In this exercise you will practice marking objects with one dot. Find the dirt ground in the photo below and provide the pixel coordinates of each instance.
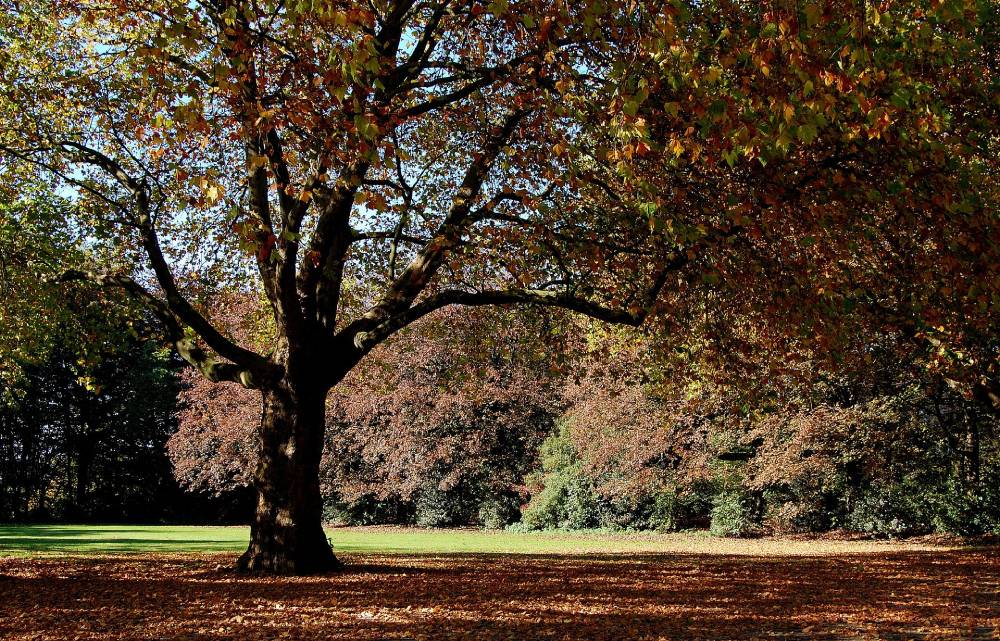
(951, 594)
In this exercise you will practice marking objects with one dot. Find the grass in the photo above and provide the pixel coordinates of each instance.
(121, 583)
(35, 540)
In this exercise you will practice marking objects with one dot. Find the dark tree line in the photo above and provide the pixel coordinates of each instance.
(87, 444)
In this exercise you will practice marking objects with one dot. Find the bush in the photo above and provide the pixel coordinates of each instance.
(582, 510)
(796, 517)
(796, 511)
(496, 513)
(367, 510)
(733, 515)
(659, 510)
(433, 507)
(664, 511)
(896, 509)
(961, 511)
(566, 502)
(566, 499)
(970, 510)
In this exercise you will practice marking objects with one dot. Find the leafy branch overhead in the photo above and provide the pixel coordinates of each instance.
(507, 152)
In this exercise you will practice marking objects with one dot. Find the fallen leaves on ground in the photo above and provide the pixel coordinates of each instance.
(903, 595)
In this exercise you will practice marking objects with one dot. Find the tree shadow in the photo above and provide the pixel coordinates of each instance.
(906, 595)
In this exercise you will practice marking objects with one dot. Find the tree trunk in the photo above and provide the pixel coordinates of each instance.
(286, 536)
(974, 452)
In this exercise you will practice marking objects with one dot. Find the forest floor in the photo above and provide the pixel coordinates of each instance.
(165, 583)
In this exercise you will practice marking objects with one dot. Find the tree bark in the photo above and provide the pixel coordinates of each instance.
(286, 536)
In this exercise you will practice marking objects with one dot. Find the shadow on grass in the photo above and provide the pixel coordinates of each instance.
(900, 595)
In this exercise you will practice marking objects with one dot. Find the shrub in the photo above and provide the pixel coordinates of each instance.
(797, 510)
(582, 510)
(432, 507)
(895, 509)
(664, 510)
(566, 499)
(544, 510)
(566, 502)
(496, 513)
(367, 510)
(733, 515)
(970, 510)
(794, 517)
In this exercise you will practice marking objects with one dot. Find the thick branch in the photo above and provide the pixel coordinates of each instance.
(405, 289)
(211, 368)
(635, 315)
(176, 302)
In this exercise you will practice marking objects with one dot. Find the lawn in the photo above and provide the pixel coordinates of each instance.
(123, 539)
(173, 583)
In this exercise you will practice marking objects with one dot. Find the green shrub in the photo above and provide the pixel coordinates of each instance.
(733, 515)
(496, 513)
(566, 502)
(970, 510)
(582, 510)
(432, 507)
(664, 509)
(546, 508)
(367, 510)
(567, 499)
(895, 509)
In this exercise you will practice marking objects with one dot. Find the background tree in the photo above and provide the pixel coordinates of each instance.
(87, 443)
(439, 425)
(448, 416)
(612, 161)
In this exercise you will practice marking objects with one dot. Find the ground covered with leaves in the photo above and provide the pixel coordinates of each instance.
(887, 595)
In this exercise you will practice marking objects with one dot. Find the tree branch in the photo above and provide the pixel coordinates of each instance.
(211, 368)
(405, 289)
(176, 302)
(389, 235)
(634, 316)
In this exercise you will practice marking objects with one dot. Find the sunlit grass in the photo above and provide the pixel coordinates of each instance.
(19, 540)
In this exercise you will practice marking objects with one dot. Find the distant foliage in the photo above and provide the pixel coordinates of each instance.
(463, 400)
(889, 450)
(215, 447)
(86, 443)
(732, 515)
(564, 498)
(439, 426)
(453, 425)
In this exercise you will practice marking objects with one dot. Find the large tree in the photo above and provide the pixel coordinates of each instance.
(366, 164)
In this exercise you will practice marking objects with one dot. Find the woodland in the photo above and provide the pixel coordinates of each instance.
(525, 266)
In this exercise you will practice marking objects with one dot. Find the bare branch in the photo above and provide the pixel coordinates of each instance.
(176, 302)
(390, 235)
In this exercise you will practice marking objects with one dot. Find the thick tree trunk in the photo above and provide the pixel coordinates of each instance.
(286, 536)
